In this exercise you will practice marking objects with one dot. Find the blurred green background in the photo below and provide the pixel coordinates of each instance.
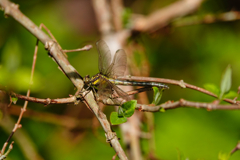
(198, 54)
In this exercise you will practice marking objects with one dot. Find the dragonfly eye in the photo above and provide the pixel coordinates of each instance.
(86, 78)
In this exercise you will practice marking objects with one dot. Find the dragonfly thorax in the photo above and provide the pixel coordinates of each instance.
(96, 79)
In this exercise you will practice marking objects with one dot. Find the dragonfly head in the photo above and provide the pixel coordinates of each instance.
(86, 79)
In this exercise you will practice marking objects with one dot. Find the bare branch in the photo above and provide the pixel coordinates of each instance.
(85, 48)
(46, 101)
(180, 83)
(207, 19)
(103, 15)
(117, 8)
(185, 103)
(164, 16)
(56, 119)
(236, 148)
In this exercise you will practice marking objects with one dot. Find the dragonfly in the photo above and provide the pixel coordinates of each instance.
(109, 69)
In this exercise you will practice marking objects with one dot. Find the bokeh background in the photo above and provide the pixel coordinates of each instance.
(198, 54)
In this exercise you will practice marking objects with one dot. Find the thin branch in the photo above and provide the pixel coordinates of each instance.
(164, 16)
(236, 148)
(3, 156)
(85, 48)
(46, 101)
(207, 19)
(185, 103)
(180, 83)
(18, 125)
(62, 120)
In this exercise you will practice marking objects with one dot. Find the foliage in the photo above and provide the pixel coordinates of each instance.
(125, 111)
(224, 90)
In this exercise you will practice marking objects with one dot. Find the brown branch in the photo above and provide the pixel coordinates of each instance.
(62, 120)
(117, 8)
(164, 16)
(208, 19)
(180, 83)
(236, 148)
(85, 48)
(185, 103)
(46, 101)
(57, 54)
(103, 15)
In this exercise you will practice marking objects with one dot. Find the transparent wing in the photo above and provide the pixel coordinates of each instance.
(106, 89)
(104, 58)
(119, 64)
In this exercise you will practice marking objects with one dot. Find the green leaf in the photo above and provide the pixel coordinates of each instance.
(157, 95)
(14, 100)
(128, 108)
(126, 15)
(212, 88)
(223, 156)
(120, 112)
(230, 94)
(226, 81)
(115, 119)
(162, 109)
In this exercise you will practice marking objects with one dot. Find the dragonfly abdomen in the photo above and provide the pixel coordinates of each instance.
(135, 83)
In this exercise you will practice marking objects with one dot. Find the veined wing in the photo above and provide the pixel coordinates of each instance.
(104, 57)
(119, 64)
(106, 89)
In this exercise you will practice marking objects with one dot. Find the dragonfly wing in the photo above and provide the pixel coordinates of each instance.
(104, 59)
(106, 89)
(119, 64)
(120, 92)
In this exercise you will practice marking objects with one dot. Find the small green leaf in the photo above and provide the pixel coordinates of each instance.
(212, 88)
(120, 112)
(226, 81)
(162, 109)
(129, 108)
(223, 156)
(115, 119)
(157, 95)
(126, 15)
(230, 94)
(14, 100)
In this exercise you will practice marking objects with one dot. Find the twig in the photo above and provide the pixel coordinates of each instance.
(164, 16)
(185, 103)
(236, 148)
(207, 19)
(62, 120)
(180, 83)
(46, 101)
(3, 156)
(85, 48)
(18, 125)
